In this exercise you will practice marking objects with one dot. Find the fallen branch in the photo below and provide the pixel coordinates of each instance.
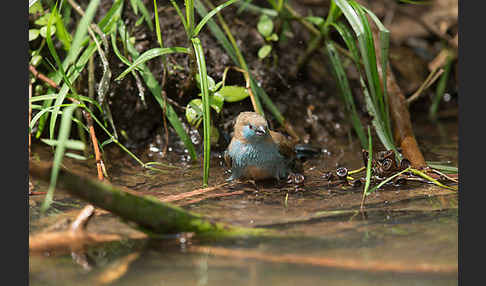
(79, 224)
(68, 241)
(150, 214)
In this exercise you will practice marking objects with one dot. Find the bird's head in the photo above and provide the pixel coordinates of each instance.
(251, 127)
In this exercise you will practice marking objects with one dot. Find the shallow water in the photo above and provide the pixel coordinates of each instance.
(407, 236)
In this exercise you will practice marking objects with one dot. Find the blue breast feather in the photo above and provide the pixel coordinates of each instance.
(264, 155)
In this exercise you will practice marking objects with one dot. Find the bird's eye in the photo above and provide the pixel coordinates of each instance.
(251, 126)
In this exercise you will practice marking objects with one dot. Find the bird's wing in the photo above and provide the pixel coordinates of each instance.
(227, 158)
(285, 146)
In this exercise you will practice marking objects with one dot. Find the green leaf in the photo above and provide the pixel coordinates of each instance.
(33, 34)
(265, 25)
(42, 20)
(194, 112)
(70, 144)
(35, 6)
(264, 51)
(43, 31)
(75, 156)
(35, 60)
(211, 83)
(273, 37)
(233, 93)
(216, 102)
(318, 21)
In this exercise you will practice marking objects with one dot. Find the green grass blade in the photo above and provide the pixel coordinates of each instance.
(446, 168)
(145, 14)
(150, 54)
(346, 93)
(69, 144)
(76, 46)
(157, 25)
(117, 52)
(62, 34)
(368, 165)
(384, 35)
(80, 35)
(64, 130)
(190, 17)
(388, 180)
(179, 12)
(374, 94)
(349, 41)
(133, 4)
(351, 16)
(43, 111)
(113, 138)
(201, 65)
(427, 177)
(378, 124)
(210, 15)
(246, 5)
(332, 15)
(43, 97)
(53, 52)
(156, 91)
(217, 32)
(105, 24)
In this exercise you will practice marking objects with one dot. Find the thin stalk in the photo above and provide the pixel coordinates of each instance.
(201, 65)
(368, 169)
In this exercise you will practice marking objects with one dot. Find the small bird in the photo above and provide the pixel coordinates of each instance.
(257, 153)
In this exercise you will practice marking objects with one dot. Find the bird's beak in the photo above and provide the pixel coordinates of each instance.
(261, 131)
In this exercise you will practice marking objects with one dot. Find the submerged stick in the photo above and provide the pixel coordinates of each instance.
(150, 214)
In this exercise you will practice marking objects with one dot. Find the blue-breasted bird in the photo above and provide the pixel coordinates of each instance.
(257, 153)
